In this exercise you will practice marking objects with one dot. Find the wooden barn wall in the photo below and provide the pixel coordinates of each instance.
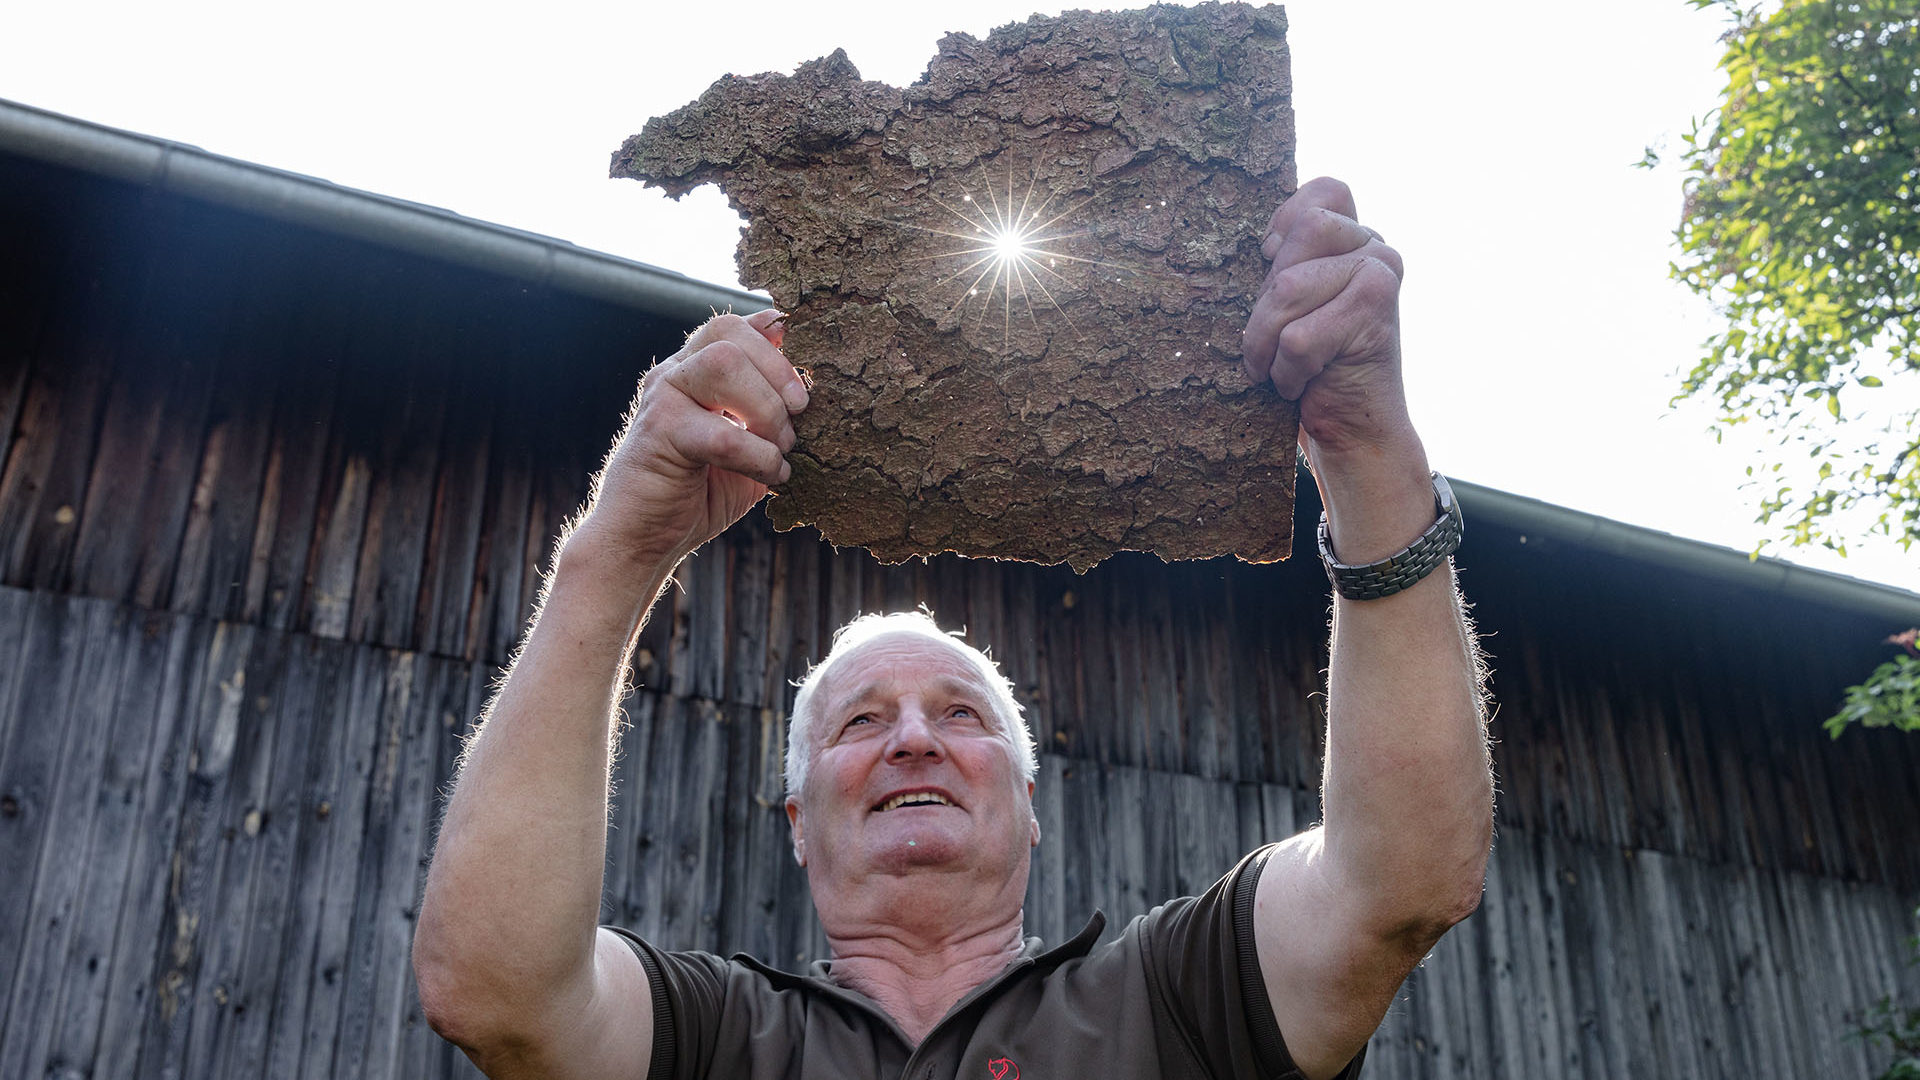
(272, 510)
(220, 831)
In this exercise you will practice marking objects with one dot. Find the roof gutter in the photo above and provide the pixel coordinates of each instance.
(441, 234)
(1899, 608)
(180, 169)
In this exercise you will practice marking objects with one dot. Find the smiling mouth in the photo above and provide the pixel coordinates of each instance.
(917, 798)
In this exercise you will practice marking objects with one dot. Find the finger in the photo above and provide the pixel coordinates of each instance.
(708, 438)
(765, 353)
(771, 323)
(725, 377)
(1318, 233)
(750, 334)
(1306, 346)
(1289, 293)
(1319, 193)
(1292, 293)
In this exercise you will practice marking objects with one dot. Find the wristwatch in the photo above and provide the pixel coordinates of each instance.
(1408, 565)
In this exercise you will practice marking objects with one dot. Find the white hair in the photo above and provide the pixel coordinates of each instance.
(1007, 711)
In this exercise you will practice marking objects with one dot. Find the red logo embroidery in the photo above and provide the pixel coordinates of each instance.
(1003, 1069)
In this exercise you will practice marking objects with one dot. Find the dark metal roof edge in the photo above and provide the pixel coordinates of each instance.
(377, 219)
(1763, 575)
(425, 230)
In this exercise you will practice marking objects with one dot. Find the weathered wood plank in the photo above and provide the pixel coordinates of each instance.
(320, 695)
(656, 874)
(37, 998)
(1142, 838)
(346, 804)
(220, 752)
(846, 589)
(700, 625)
(1063, 711)
(211, 571)
(423, 1053)
(734, 869)
(39, 241)
(792, 576)
(1076, 859)
(449, 580)
(222, 1006)
(382, 831)
(312, 339)
(502, 543)
(702, 849)
(150, 410)
(1258, 731)
(340, 527)
(1047, 910)
(396, 1014)
(366, 410)
(275, 821)
(44, 482)
(17, 609)
(229, 465)
(1503, 984)
(400, 501)
(634, 770)
(177, 331)
(749, 624)
(29, 774)
(137, 987)
(138, 724)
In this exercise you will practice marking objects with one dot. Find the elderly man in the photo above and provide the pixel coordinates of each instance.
(911, 776)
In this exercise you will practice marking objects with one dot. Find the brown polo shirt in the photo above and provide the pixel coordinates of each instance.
(1177, 994)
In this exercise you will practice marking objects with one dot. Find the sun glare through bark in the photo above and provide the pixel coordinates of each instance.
(1013, 248)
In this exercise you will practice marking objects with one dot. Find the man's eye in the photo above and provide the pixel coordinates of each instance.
(863, 718)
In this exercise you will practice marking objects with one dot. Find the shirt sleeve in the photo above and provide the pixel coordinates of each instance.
(689, 991)
(1204, 972)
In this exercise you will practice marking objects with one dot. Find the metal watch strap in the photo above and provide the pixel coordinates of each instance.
(1408, 565)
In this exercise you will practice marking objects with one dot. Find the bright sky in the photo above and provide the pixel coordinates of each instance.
(1489, 140)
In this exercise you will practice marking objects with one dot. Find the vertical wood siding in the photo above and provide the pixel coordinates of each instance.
(272, 512)
(222, 830)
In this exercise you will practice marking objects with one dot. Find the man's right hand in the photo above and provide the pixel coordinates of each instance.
(704, 439)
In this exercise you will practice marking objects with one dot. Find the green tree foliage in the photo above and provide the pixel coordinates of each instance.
(1889, 698)
(1802, 225)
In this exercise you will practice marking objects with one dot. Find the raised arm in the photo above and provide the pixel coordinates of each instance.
(510, 961)
(1347, 909)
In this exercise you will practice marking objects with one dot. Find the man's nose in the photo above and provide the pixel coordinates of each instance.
(914, 736)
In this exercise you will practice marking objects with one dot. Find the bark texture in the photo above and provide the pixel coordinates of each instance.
(1056, 400)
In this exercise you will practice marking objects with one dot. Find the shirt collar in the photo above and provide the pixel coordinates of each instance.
(1032, 954)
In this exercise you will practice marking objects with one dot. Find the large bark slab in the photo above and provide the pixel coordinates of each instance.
(1075, 397)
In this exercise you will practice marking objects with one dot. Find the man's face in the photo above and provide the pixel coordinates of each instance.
(910, 769)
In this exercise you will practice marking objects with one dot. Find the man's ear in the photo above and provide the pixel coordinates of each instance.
(799, 838)
(1033, 819)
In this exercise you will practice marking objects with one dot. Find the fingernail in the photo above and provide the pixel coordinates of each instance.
(786, 472)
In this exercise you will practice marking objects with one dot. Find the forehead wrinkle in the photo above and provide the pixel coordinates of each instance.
(947, 684)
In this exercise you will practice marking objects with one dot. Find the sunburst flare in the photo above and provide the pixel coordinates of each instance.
(1013, 245)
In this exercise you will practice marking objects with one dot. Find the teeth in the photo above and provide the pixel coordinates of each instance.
(918, 798)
